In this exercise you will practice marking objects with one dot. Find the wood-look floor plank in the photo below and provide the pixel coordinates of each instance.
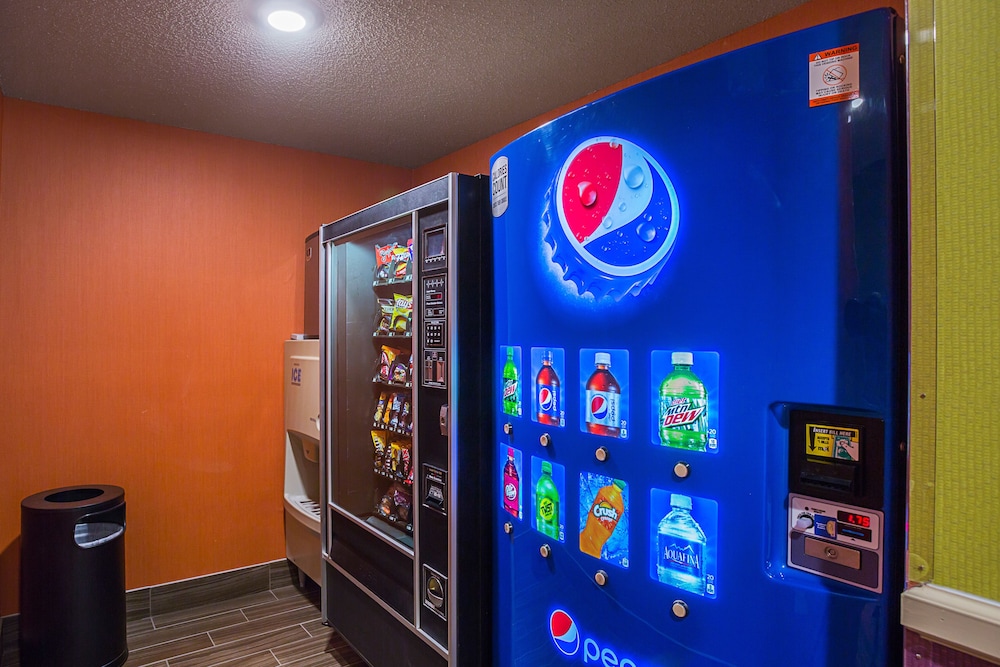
(282, 605)
(232, 604)
(295, 617)
(244, 648)
(141, 640)
(168, 650)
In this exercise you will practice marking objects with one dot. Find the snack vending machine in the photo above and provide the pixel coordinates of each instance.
(700, 365)
(404, 347)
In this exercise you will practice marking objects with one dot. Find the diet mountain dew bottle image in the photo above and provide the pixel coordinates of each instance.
(547, 503)
(683, 406)
(680, 560)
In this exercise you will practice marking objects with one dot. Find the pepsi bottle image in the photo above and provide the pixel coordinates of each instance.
(547, 503)
(547, 392)
(602, 401)
(680, 560)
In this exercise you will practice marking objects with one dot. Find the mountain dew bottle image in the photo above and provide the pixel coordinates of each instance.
(683, 411)
(511, 389)
(547, 503)
(680, 553)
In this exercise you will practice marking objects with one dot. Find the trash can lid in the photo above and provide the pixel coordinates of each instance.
(69, 498)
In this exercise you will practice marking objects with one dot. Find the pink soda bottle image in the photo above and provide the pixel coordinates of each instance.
(512, 484)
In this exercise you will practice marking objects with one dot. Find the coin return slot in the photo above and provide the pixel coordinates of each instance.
(436, 592)
(833, 553)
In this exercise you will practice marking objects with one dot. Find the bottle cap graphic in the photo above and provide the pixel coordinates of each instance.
(682, 359)
(612, 218)
(678, 500)
(602, 358)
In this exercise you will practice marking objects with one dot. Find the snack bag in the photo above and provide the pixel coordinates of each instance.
(407, 469)
(380, 408)
(385, 359)
(386, 507)
(399, 372)
(392, 416)
(402, 313)
(401, 499)
(401, 261)
(394, 464)
(378, 442)
(385, 266)
(386, 309)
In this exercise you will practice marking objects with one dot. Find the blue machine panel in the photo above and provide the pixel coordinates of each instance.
(700, 310)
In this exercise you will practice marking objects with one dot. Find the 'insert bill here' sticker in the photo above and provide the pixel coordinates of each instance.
(833, 75)
(833, 442)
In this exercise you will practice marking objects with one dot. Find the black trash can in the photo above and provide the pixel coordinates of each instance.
(73, 578)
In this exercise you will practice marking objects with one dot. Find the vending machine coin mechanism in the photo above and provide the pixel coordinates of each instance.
(835, 504)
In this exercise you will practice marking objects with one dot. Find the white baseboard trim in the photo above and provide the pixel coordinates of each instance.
(962, 621)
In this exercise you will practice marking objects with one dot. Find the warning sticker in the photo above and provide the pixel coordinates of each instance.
(833, 442)
(833, 75)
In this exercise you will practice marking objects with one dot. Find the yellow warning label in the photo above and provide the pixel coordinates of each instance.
(833, 442)
(833, 75)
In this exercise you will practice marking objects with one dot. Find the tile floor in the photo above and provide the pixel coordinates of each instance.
(277, 627)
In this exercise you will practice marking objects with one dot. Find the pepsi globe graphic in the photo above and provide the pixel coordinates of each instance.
(599, 407)
(612, 218)
(545, 398)
(565, 636)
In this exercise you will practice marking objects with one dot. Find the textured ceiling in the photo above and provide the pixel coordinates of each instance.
(398, 83)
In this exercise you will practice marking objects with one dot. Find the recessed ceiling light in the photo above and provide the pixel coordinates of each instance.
(286, 20)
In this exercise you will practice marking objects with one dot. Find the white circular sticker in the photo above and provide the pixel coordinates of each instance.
(499, 186)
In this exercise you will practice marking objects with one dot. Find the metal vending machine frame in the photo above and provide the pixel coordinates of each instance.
(404, 329)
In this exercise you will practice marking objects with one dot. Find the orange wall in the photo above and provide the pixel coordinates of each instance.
(148, 277)
(475, 159)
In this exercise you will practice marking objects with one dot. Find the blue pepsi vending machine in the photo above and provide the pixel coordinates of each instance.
(700, 365)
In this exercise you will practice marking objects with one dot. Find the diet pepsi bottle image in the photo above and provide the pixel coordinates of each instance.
(680, 542)
(602, 399)
(547, 393)
(683, 406)
(511, 486)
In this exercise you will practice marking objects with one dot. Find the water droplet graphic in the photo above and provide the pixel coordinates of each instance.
(613, 143)
(607, 222)
(635, 177)
(588, 193)
(622, 207)
(646, 231)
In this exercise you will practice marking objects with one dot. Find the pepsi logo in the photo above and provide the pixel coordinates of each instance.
(566, 637)
(545, 397)
(599, 407)
(617, 217)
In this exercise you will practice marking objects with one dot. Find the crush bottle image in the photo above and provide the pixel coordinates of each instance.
(680, 541)
(547, 392)
(511, 388)
(683, 406)
(511, 486)
(602, 519)
(602, 401)
(547, 503)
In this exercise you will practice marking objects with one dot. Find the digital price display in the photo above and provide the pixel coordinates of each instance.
(851, 524)
(862, 520)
